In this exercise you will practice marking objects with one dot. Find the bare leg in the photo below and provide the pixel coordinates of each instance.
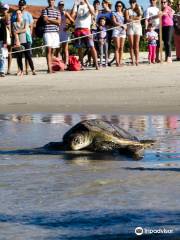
(117, 45)
(49, 58)
(94, 56)
(136, 48)
(131, 45)
(121, 49)
(66, 55)
(80, 53)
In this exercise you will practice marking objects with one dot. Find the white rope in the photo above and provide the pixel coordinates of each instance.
(77, 38)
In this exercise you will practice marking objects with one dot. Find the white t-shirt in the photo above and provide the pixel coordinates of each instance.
(83, 19)
(153, 11)
(152, 37)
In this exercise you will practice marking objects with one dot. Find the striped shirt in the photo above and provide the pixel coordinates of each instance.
(52, 14)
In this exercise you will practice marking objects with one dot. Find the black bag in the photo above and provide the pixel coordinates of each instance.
(177, 24)
(40, 26)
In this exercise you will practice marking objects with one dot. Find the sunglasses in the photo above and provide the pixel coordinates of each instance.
(119, 5)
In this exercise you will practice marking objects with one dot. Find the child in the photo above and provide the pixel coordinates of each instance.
(3, 47)
(152, 38)
(102, 40)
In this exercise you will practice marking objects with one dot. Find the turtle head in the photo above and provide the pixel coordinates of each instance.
(79, 141)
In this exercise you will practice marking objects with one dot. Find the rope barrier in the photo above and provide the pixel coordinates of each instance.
(77, 38)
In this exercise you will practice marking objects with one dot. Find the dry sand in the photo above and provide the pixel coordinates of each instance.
(147, 88)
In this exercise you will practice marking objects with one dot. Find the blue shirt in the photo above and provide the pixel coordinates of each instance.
(27, 17)
(107, 15)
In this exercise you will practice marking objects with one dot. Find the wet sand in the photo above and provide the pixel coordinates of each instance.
(147, 88)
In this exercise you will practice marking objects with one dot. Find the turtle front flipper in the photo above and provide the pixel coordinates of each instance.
(55, 146)
(137, 152)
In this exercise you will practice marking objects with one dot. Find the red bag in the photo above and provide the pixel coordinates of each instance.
(74, 64)
(57, 64)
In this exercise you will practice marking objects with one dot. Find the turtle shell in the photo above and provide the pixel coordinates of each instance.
(101, 130)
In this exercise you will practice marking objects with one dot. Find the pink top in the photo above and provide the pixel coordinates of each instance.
(167, 19)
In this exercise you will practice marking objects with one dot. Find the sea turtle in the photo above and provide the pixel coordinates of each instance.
(101, 136)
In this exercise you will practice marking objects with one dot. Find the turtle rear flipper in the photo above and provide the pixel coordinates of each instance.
(137, 152)
(148, 143)
(103, 146)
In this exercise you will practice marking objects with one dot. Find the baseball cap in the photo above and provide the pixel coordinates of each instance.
(61, 2)
(22, 3)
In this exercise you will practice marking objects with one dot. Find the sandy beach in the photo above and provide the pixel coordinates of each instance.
(147, 88)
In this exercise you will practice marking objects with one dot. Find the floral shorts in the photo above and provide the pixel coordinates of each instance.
(86, 41)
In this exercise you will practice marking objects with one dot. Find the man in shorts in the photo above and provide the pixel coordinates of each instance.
(52, 21)
(82, 13)
(152, 16)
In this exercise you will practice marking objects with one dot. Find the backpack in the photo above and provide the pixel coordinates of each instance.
(74, 64)
(176, 19)
(40, 26)
(57, 64)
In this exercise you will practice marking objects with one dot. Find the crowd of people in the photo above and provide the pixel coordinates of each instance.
(95, 27)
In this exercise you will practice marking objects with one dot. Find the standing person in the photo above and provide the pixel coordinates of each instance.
(7, 20)
(82, 13)
(27, 17)
(152, 16)
(20, 39)
(52, 19)
(119, 33)
(63, 34)
(96, 5)
(152, 38)
(102, 40)
(177, 31)
(167, 29)
(107, 13)
(3, 45)
(134, 29)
